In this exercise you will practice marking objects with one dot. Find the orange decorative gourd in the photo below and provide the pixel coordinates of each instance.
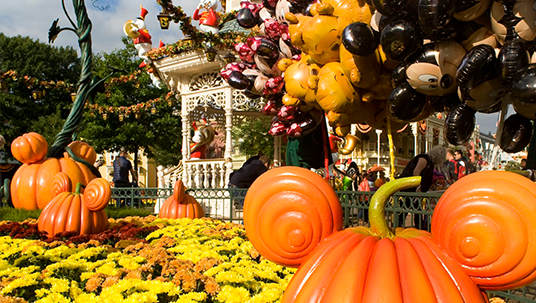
(181, 205)
(29, 148)
(81, 213)
(286, 232)
(30, 186)
(482, 238)
(83, 151)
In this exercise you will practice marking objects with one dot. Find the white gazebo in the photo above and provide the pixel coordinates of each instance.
(205, 94)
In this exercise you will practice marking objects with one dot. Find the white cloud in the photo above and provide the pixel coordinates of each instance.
(33, 18)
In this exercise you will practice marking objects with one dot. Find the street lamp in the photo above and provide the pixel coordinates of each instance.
(211, 53)
(73, 97)
(37, 94)
(164, 19)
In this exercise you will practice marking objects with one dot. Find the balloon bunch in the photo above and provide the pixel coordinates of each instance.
(389, 61)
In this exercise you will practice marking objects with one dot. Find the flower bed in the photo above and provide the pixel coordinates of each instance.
(137, 260)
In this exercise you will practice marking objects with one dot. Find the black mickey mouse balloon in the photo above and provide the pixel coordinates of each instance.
(359, 39)
(459, 124)
(389, 7)
(513, 57)
(516, 134)
(404, 103)
(478, 80)
(399, 39)
(435, 14)
(524, 85)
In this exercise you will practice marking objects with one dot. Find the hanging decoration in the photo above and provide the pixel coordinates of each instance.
(33, 83)
(135, 110)
(197, 39)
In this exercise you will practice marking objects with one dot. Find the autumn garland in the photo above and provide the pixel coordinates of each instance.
(197, 39)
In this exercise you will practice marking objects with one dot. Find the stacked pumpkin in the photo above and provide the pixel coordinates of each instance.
(81, 211)
(482, 239)
(30, 186)
(181, 205)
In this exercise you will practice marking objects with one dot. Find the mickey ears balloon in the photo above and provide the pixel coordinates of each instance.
(524, 85)
(516, 134)
(467, 10)
(359, 39)
(459, 124)
(513, 57)
(477, 78)
(389, 7)
(435, 14)
(404, 103)
(519, 16)
(399, 39)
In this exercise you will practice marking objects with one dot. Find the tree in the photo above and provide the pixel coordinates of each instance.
(30, 68)
(132, 113)
(258, 139)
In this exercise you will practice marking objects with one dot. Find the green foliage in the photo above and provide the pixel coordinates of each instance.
(19, 111)
(512, 165)
(255, 137)
(18, 215)
(158, 134)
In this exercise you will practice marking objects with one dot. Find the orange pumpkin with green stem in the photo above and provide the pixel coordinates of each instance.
(83, 151)
(461, 257)
(30, 186)
(81, 213)
(181, 205)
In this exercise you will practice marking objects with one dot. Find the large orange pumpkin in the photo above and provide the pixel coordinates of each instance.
(69, 211)
(181, 205)
(83, 151)
(467, 249)
(29, 148)
(286, 232)
(30, 186)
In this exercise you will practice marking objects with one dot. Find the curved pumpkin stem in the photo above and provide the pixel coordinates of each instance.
(378, 224)
(78, 188)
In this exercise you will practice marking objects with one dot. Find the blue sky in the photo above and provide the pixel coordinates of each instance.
(33, 18)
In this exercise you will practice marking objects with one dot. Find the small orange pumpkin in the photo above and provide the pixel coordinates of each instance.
(482, 238)
(29, 148)
(181, 205)
(69, 211)
(83, 151)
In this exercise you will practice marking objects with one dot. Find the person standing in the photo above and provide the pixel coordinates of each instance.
(449, 167)
(422, 165)
(122, 167)
(461, 164)
(250, 171)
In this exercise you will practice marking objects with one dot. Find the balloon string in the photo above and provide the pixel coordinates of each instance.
(326, 142)
(391, 149)
(504, 109)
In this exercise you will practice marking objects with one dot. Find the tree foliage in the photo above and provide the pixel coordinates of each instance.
(158, 134)
(20, 112)
(256, 137)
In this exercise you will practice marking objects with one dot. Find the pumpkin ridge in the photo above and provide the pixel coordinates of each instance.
(383, 274)
(52, 210)
(347, 285)
(468, 289)
(60, 220)
(414, 279)
(311, 262)
(443, 283)
(46, 172)
(324, 272)
(73, 218)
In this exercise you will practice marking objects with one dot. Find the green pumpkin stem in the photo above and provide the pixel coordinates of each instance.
(378, 224)
(79, 187)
